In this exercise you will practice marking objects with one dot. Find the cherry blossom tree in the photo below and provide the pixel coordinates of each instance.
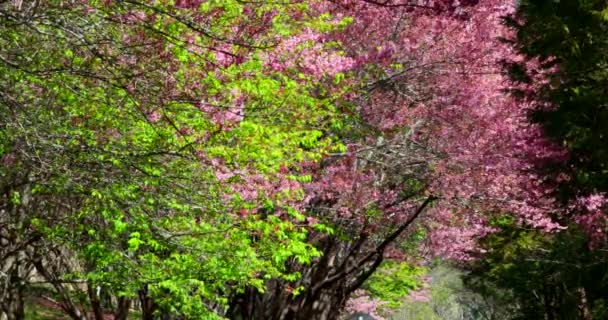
(308, 139)
(434, 119)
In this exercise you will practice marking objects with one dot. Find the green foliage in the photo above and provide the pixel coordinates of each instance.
(567, 44)
(569, 40)
(393, 281)
(542, 273)
(449, 296)
(134, 197)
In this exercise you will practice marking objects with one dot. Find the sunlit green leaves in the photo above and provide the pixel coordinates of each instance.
(106, 113)
(393, 281)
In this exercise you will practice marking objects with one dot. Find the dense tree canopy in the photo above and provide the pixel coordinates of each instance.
(269, 160)
(119, 121)
(570, 56)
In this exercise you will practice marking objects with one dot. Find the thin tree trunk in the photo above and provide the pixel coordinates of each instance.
(548, 299)
(583, 304)
(12, 306)
(122, 309)
(147, 304)
(66, 301)
(14, 266)
(15, 307)
(328, 282)
(95, 303)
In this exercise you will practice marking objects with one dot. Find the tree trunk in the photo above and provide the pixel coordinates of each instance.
(583, 304)
(17, 310)
(15, 240)
(95, 303)
(327, 283)
(548, 298)
(67, 304)
(13, 309)
(147, 304)
(12, 305)
(122, 309)
(324, 305)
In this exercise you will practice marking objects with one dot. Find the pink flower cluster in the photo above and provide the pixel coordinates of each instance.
(188, 4)
(228, 114)
(307, 53)
(444, 81)
(361, 302)
(251, 186)
(592, 217)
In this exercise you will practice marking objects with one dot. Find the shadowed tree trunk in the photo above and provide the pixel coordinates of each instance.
(13, 308)
(549, 299)
(11, 280)
(122, 308)
(95, 303)
(583, 304)
(16, 240)
(327, 283)
(147, 304)
(64, 291)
